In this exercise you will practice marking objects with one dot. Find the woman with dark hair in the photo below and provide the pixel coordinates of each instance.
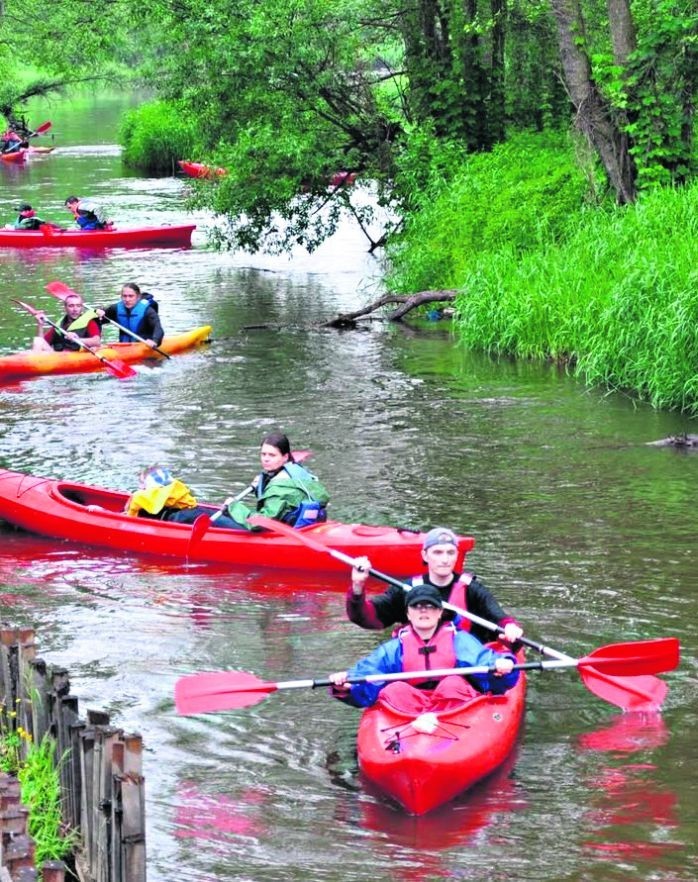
(285, 490)
(136, 312)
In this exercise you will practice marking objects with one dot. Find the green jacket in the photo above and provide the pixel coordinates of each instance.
(281, 496)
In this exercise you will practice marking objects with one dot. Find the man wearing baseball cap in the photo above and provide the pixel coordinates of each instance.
(427, 643)
(464, 590)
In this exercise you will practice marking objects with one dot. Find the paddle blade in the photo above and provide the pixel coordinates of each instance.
(644, 693)
(59, 290)
(219, 690)
(44, 127)
(635, 658)
(117, 368)
(199, 528)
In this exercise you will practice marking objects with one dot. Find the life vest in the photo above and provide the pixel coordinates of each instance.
(130, 319)
(77, 327)
(309, 511)
(429, 655)
(457, 596)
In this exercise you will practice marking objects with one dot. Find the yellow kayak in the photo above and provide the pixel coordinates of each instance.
(34, 364)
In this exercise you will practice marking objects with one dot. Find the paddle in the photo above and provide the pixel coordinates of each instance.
(39, 130)
(116, 368)
(636, 693)
(226, 690)
(203, 523)
(61, 291)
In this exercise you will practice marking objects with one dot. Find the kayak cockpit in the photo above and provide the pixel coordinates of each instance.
(82, 496)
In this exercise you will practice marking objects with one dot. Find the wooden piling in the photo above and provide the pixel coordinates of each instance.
(100, 770)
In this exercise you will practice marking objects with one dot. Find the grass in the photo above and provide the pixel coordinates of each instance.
(545, 271)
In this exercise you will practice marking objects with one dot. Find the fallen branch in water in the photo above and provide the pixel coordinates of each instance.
(407, 303)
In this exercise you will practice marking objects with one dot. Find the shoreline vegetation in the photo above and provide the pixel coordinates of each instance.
(539, 159)
(546, 265)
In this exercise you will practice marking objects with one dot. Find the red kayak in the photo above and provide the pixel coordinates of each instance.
(135, 237)
(94, 516)
(421, 771)
(16, 155)
(200, 169)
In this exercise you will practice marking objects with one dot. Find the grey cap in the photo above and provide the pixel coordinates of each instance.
(439, 536)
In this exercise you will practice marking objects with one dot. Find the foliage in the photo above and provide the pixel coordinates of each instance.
(618, 300)
(156, 135)
(655, 91)
(526, 192)
(40, 789)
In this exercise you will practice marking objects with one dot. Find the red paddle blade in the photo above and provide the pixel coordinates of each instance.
(199, 528)
(219, 690)
(60, 290)
(635, 658)
(117, 368)
(44, 127)
(645, 693)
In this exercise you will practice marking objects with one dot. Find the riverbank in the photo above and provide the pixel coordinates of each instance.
(542, 273)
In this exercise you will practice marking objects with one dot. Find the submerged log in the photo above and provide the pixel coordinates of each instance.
(683, 441)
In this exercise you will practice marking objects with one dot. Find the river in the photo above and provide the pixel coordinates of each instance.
(583, 531)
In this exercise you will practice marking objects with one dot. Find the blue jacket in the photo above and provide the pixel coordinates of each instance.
(387, 659)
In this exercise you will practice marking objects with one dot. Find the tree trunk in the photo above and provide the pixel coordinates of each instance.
(595, 117)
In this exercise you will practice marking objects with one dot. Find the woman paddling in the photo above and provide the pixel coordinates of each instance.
(426, 643)
(285, 490)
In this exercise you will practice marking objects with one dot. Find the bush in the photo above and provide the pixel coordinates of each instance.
(155, 135)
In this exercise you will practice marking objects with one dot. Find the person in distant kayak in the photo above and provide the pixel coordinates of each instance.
(11, 141)
(27, 218)
(163, 497)
(464, 590)
(427, 642)
(89, 214)
(78, 323)
(136, 312)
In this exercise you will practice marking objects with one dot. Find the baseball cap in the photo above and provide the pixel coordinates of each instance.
(439, 536)
(24, 206)
(424, 594)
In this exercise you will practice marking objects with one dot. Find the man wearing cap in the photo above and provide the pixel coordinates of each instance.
(427, 643)
(464, 590)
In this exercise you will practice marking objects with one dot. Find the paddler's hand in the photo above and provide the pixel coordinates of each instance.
(99, 313)
(503, 666)
(359, 574)
(339, 683)
(512, 632)
(151, 343)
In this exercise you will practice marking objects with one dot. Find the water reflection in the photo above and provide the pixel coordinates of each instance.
(633, 815)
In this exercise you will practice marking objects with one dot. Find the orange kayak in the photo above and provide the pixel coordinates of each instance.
(33, 364)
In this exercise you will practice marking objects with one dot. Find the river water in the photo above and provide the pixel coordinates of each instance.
(583, 531)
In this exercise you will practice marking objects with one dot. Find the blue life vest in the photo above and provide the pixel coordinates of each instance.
(130, 319)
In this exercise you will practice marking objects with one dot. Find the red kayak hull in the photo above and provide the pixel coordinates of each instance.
(136, 237)
(62, 510)
(16, 156)
(22, 365)
(200, 169)
(423, 771)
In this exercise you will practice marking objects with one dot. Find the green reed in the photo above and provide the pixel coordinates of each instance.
(155, 135)
(544, 271)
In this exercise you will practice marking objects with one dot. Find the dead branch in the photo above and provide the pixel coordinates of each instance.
(407, 303)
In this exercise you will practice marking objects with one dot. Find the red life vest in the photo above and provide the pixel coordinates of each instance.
(458, 596)
(438, 652)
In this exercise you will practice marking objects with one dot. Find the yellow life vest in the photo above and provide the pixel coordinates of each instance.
(156, 497)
